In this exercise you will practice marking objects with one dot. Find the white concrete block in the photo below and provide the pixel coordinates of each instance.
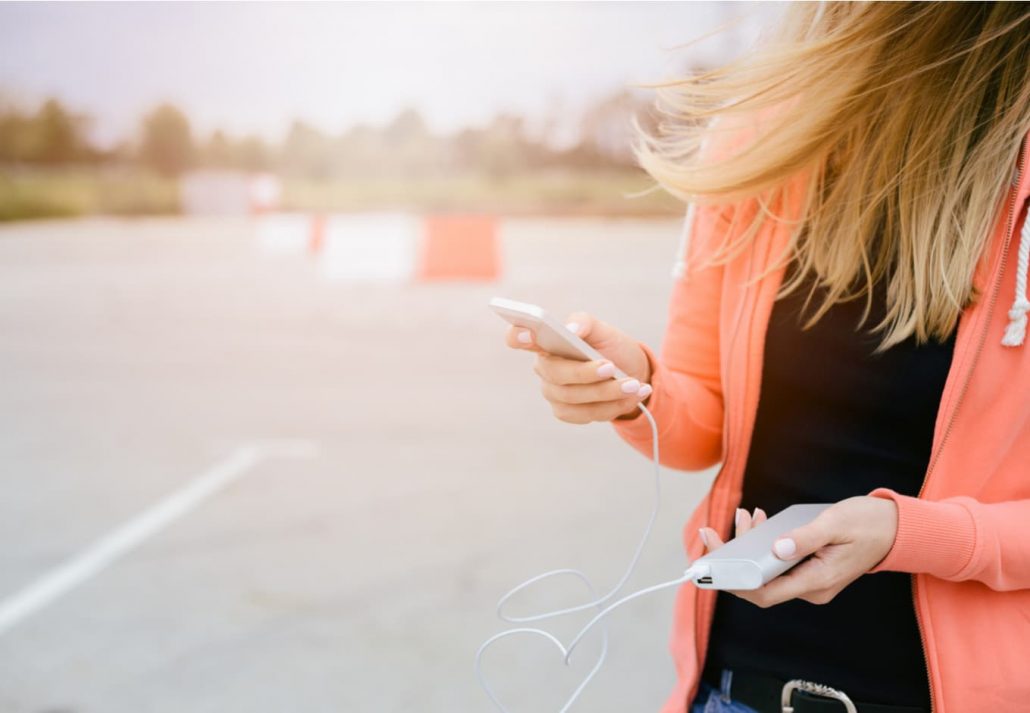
(375, 247)
(284, 233)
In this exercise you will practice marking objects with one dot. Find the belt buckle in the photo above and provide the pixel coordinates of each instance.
(817, 689)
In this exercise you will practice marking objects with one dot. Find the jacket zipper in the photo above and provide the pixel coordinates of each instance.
(702, 650)
(965, 387)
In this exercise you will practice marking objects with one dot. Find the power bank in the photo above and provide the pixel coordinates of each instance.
(748, 561)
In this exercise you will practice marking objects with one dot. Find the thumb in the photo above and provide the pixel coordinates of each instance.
(624, 351)
(805, 540)
(591, 330)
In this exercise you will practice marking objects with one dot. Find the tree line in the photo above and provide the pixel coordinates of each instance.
(166, 143)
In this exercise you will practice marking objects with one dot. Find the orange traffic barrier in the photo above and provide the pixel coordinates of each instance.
(459, 247)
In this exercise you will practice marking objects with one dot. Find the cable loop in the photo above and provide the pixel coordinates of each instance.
(597, 602)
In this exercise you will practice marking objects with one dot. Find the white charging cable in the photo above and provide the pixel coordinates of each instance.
(600, 603)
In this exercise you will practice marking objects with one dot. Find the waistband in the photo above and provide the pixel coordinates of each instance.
(768, 694)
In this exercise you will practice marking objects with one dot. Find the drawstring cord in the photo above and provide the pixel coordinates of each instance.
(679, 268)
(1015, 332)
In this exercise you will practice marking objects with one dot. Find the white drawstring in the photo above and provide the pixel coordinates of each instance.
(679, 267)
(1015, 332)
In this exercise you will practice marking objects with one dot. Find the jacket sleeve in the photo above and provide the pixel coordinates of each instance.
(961, 538)
(686, 401)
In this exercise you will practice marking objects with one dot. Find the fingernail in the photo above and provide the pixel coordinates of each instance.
(573, 327)
(645, 391)
(704, 537)
(785, 547)
(525, 337)
(606, 370)
(736, 519)
(630, 387)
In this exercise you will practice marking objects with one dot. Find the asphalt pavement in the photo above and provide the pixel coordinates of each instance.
(230, 483)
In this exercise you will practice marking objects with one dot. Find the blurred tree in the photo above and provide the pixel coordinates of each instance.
(606, 131)
(217, 152)
(406, 126)
(464, 148)
(308, 152)
(361, 151)
(410, 148)
(124, 153)
(57, 135)
(51, 136)
(251, 154)
(14, 136)
(502, 148)
(402, 159)
(167, 143)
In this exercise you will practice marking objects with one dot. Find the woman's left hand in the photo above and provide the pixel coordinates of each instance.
(846, 540)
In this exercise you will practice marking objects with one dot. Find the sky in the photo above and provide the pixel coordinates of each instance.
(254, 67)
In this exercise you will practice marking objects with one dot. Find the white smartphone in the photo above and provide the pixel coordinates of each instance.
(748, 561)
(549, 334)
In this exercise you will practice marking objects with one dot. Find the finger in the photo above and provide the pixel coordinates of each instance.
(600, 392)
(805, 540)
(807, 578)
(742, 522)
(588, 413)
(758, 517)
(822, 596)
(710, 538)
(748, 595)
(521, 338)
(559, 370)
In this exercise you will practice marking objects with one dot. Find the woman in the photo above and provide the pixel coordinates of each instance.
(840, 330)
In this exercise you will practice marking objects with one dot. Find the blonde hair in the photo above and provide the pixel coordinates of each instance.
(902, 118)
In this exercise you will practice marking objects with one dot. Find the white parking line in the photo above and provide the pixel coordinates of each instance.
(148, 523)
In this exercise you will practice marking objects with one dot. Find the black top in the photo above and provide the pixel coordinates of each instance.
(834, 420)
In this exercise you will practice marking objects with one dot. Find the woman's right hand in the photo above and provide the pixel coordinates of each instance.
(584, 391)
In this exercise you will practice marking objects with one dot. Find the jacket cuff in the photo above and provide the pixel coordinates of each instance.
(936, 538)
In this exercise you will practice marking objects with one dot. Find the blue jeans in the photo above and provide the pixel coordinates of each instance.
(710, 700)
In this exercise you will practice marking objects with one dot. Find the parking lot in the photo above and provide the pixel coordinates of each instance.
(311, 491)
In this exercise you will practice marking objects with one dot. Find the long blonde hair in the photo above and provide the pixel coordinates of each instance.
(905, 119)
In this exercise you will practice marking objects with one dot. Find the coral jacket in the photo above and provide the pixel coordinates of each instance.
(965, 538)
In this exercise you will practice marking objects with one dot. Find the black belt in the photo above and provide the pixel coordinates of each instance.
(769, 695)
